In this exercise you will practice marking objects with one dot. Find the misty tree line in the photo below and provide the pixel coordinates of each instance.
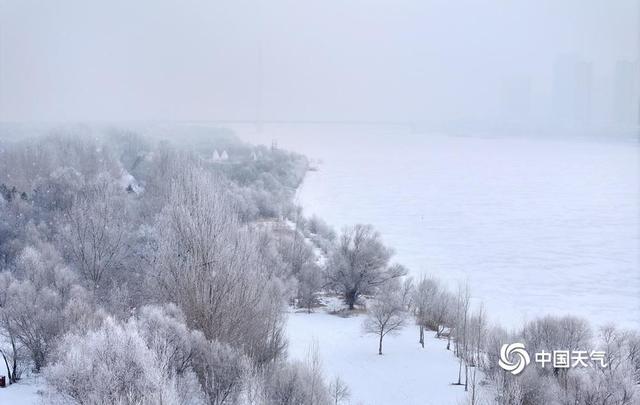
(138, 271)
(135, 270)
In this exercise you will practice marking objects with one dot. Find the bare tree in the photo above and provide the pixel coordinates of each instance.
(339, 391)
(478, 336)
(463, 302)
(95, 231)
(360, 263)
(387, 314)
(7, 328)
(316, 382)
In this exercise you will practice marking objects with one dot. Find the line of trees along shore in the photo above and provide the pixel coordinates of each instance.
(359, 266)
(139, 270)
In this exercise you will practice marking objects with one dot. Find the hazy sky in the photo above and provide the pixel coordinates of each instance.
(320, 59)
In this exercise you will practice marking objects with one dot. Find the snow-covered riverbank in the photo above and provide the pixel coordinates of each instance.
(406, 373)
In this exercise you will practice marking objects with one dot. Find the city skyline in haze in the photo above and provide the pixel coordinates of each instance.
(335, 60)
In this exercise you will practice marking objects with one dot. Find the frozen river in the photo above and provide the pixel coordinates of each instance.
(536, 225)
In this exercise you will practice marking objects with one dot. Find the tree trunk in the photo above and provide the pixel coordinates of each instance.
(380, 345)
(422, 336)
(350, 298)
(473, 386)
(466, 377)
(14, 366)
(6, 363)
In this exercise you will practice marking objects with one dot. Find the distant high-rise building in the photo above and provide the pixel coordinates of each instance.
(572, 90)
(625, 92)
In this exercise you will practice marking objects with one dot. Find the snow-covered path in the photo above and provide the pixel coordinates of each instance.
(24, 392)
(406, 374)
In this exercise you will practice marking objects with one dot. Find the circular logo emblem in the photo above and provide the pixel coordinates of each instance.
(513, 358)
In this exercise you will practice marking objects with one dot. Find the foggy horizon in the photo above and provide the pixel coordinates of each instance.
(543, 63)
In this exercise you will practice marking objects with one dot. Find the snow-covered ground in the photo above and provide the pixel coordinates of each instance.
(25, 392)
(405, 374)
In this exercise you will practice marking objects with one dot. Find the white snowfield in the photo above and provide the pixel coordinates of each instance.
(405, 374)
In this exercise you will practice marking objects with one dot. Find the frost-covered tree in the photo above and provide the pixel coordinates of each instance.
(432, 306)
(15, 216)
(360, 263)
(295, 251)
(9, 350)
(165, 332)
(213, 268)
(310, 282)
(292, 384)
(221, 370)
(43, 303)
(551, 332)
(477, 344)
(57, 191)
(339, 391)
(110, 365)
(318, 226)
(461, 330)
(387, 313)
(95, 231)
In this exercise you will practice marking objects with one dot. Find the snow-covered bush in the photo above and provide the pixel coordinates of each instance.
(294, 383)
(318, 226)
(221, 371)
(36, 315)
(112, 365)
(165, 333)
